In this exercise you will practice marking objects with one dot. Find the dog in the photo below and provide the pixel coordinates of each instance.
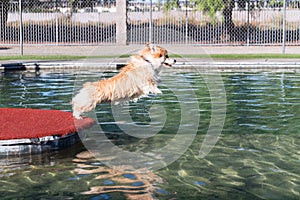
(137, 79)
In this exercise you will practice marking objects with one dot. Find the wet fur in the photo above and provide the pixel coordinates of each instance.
(137, 79)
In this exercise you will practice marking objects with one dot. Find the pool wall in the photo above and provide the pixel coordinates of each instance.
(206, 65)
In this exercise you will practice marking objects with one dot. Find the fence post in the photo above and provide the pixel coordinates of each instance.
(121, 27)
(150, 23)
(284, 27)
(248, 23)
(56, 22)
(186, 22)
(21, 28)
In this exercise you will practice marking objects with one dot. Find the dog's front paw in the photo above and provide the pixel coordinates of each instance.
(77, 116)
(157, 91)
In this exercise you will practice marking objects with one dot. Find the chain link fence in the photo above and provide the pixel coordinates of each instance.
(75, 22)
(58, 22)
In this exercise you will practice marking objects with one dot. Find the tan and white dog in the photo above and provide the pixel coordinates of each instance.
(136, 79)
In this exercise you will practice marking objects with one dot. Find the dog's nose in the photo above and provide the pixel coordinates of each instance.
(174, 61)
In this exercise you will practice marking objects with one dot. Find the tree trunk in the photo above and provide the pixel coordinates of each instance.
(228, 25)
(4, 6)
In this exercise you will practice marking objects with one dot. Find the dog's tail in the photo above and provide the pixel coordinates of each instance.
(85, 100)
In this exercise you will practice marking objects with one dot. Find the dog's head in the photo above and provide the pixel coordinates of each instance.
(157, 56)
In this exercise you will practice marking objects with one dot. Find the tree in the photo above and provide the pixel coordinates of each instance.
(75, 4)
(169, 4)
(211, 7)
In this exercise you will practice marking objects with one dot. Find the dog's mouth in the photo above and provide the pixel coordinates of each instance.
(169, 62)
(167, 65)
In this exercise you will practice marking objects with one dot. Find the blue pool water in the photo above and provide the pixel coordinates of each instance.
(256, 156)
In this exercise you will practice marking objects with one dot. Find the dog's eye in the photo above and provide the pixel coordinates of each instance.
(167, 56)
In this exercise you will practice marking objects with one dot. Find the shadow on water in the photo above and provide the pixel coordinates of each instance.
(119, 180)
(72, 173)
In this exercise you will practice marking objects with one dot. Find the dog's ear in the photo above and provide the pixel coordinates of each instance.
(152, 49)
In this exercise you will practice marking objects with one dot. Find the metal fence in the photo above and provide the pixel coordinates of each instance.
(64, 22)
(54, 22)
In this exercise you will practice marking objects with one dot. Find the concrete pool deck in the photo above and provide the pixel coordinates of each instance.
(108, 56)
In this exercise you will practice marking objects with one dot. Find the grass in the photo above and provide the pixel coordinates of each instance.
(213, 56)
(39, 57)
(55, 57)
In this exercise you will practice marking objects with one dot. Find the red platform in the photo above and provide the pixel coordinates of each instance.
(16, 123)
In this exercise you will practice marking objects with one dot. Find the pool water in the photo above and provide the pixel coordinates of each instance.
(257, 155)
